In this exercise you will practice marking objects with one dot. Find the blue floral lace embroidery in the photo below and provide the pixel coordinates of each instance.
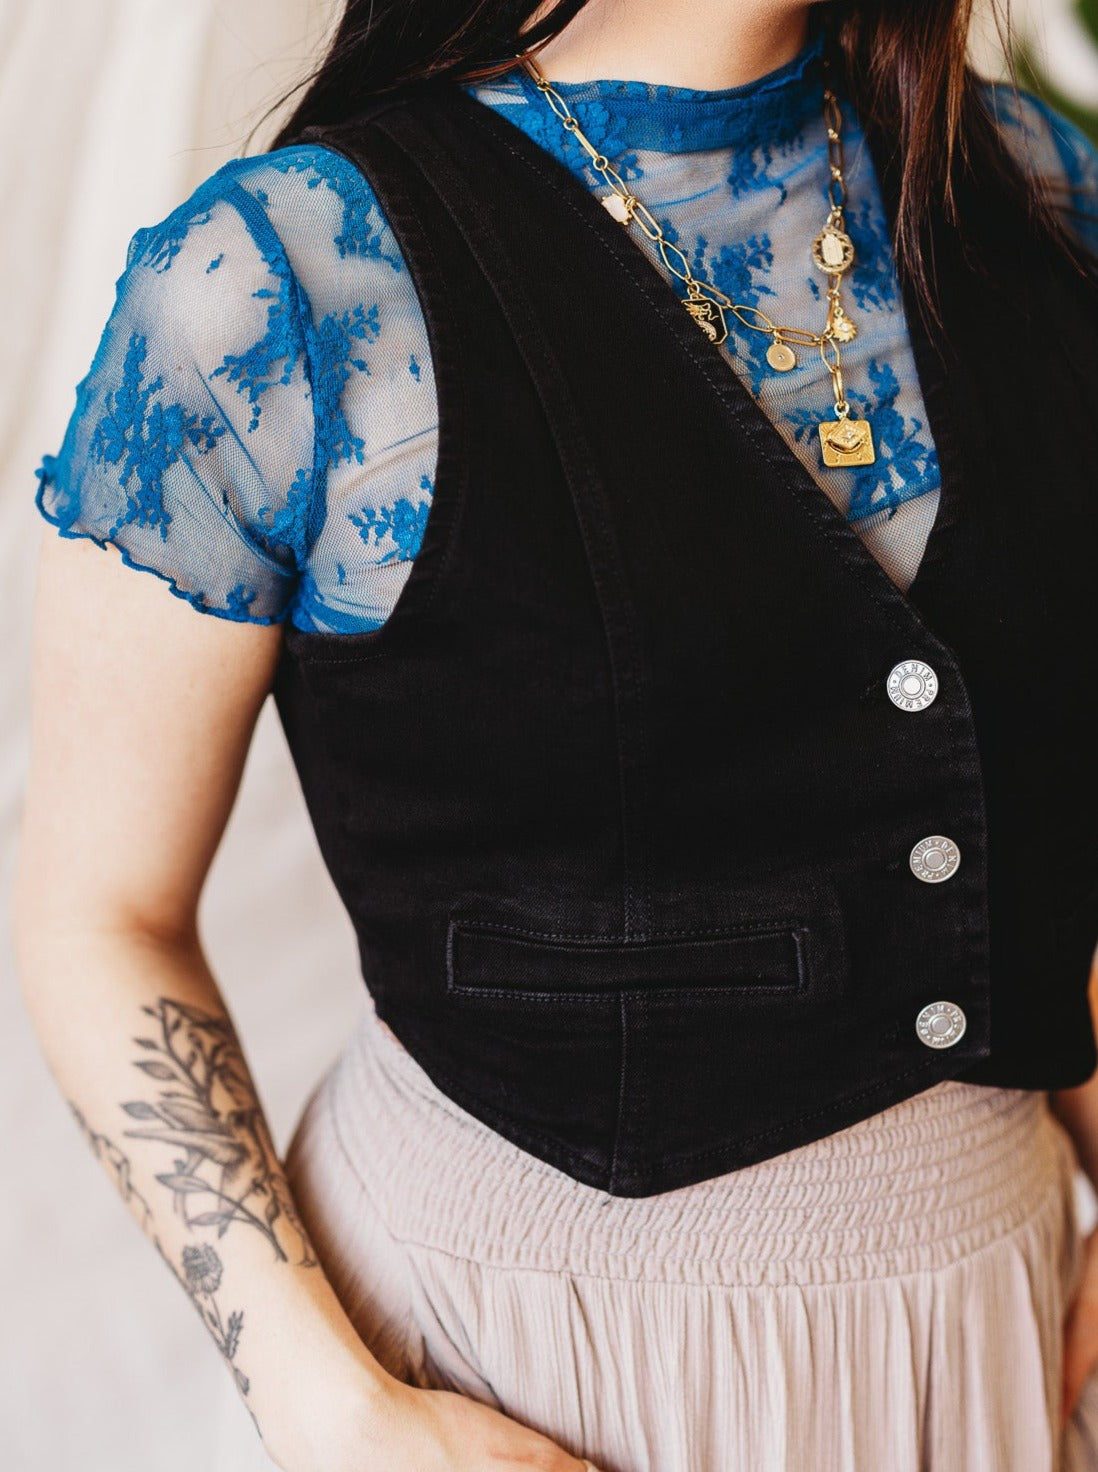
(146, 436)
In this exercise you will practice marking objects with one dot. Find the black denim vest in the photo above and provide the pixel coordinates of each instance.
(623, 822)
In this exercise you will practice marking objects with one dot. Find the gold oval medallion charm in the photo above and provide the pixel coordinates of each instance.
(781, 357)
(833, 250)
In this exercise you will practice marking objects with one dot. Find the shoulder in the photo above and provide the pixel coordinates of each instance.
(1039, 133)
(301, 206)
(1052, 147)
(276, 264)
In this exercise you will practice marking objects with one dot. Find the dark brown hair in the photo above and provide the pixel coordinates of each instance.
(904, 62)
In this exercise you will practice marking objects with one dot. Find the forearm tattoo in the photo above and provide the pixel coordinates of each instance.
(200, 1277)
(223, 1170)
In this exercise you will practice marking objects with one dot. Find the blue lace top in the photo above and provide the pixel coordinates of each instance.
(258, 425)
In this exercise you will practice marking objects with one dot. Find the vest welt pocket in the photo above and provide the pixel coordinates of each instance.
(604, 1055)
(764, 958)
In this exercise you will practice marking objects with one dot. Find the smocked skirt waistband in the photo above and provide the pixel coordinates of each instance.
(933, 1178)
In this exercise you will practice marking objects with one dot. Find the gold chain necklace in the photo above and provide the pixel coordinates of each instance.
(844, 441)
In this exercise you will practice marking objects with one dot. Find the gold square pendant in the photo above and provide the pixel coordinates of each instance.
(847, 442)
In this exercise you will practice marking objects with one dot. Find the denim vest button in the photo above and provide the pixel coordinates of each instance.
(934, 859)
(912, 685)
(940, 1024)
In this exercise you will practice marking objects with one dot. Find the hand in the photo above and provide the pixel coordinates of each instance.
(441, 1431)
(1081, 1330)
(403, 1426)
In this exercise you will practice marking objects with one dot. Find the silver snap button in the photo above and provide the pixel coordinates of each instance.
(940, 1024)
(912, 685)
(934, 859)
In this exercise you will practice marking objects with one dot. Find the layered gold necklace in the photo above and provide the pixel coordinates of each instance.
(843, 440)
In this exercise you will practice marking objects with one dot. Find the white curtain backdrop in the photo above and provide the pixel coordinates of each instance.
(111, 111)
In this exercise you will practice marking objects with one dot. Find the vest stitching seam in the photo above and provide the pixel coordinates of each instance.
(749, 926)
(642, 1026)
(623, 1033)
(542, 353)
(506, 995)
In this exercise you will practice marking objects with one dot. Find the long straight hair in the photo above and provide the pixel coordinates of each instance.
(905, 69)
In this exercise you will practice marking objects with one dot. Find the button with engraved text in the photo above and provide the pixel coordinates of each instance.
(912, 685)
(940, 1024)
(934, 859)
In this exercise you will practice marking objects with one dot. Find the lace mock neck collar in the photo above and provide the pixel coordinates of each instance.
(623, 115)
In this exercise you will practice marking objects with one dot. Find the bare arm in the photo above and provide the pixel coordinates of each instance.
(1077, 1111)
(142, 713)
(1077, 1108)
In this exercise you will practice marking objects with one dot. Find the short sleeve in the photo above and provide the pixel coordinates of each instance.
(1056, 149)
(191, 444)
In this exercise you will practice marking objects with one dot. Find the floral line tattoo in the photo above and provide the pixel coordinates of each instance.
(208, 1111)
(224, 1169)
(202, 1267)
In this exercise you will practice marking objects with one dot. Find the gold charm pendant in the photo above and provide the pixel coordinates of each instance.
(842, 328)
(847, 442)
(833, 250)
(709, 316)
(843, 441)
(620, 208)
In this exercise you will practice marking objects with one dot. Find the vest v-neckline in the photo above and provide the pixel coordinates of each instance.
(746, 414)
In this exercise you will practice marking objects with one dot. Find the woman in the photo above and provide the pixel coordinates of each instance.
(675, 1133)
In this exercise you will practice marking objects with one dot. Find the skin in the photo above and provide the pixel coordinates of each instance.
(129, 682)
(685, 43)
(1077, 1111)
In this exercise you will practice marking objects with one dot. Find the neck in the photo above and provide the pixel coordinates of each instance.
(707, 44)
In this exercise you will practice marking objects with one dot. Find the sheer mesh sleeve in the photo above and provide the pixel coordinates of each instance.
(191, 445)
(1056, 148)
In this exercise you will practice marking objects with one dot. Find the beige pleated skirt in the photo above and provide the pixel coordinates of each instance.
(888, 1298)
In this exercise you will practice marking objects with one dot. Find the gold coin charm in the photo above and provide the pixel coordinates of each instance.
(781, 356)
(833, 250)
(709, 316)
(847, 442)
